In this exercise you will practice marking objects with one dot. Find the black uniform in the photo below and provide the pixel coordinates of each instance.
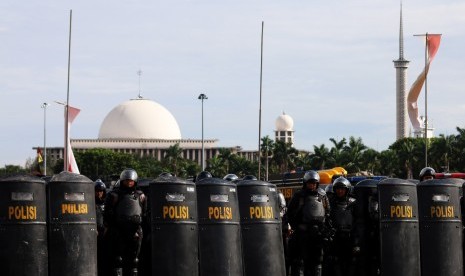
(125, 211)
(285, 230)
(308, 214)
(101, 256)
(345, 242)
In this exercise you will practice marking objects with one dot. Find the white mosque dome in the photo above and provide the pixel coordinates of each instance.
(140, 119)
(284, 123)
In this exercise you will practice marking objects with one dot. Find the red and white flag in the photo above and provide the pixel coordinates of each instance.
(433, 42)
(72, 165)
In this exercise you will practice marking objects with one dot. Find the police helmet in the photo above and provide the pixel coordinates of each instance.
(128, 174)
(341, 182)
(203, 175)
(165, 174)
(282, 200)
(99, 185)
(427, 171)
(230, 177)
(249, 177)
(311, 176)
(329, 189)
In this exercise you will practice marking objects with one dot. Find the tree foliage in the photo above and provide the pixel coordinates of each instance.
(403, 159)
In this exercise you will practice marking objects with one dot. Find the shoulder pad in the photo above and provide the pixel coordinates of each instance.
(351, 200)
(321, 192)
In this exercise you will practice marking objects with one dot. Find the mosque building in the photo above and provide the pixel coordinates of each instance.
(145, 128)
(284, 129)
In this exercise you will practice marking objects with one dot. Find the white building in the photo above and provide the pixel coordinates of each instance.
(142, 127)
(284, 129)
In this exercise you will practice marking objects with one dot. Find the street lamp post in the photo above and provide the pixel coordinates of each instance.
(202, 97)
(44, 106)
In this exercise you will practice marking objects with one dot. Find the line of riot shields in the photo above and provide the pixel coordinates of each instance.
(409, 228)
(212, 227)
(218, 227)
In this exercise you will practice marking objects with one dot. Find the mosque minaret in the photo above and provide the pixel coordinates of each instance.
(401, 66)
(284, 129)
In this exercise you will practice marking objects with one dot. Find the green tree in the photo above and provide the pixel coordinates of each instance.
(353, 154)
(172, 157)
(267, 148)
(216, 166)
(320, 157)
(12, 170)
(283, 155)
(337, 152)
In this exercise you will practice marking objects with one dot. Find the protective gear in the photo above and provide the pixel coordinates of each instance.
(230, 177)
(311, 176)
(99, 185)
(165, 174)
(329, 189)
(308, 213)
(249, 177)
(341, 182)
(128, 174)
(342, 214)
(395, 194)
(313, 209)
(125, 212)
(202, 175)
(340, 252)
(129, 208)
(282, 201)
(427, 171)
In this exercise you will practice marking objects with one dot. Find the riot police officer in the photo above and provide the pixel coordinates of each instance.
(125, 211)
(100, 193)
(308, 214)
(202, 175)
(427, 173)
(286, 229)
(344, 245)
(230, 177)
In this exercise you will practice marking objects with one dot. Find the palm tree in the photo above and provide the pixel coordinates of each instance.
(370, 160)
(216, 167)
(336, 152)
(320, 156)
(353, 154)
(226, 156)
(266, 147)
(172, 155)
(283, 155)
(407, 155)
(441, 150)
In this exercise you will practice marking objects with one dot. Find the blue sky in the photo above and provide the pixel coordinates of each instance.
(328, 64)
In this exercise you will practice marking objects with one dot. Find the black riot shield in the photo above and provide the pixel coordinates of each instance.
(174, 227)
(23, 229)
(440, 227)
(262, 240)
(72, 228)
(367, 226)
(220, 250)
(399, 228)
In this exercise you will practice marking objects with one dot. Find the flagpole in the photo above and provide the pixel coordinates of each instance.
(66, 151)
(426, 101)
(260, 108)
